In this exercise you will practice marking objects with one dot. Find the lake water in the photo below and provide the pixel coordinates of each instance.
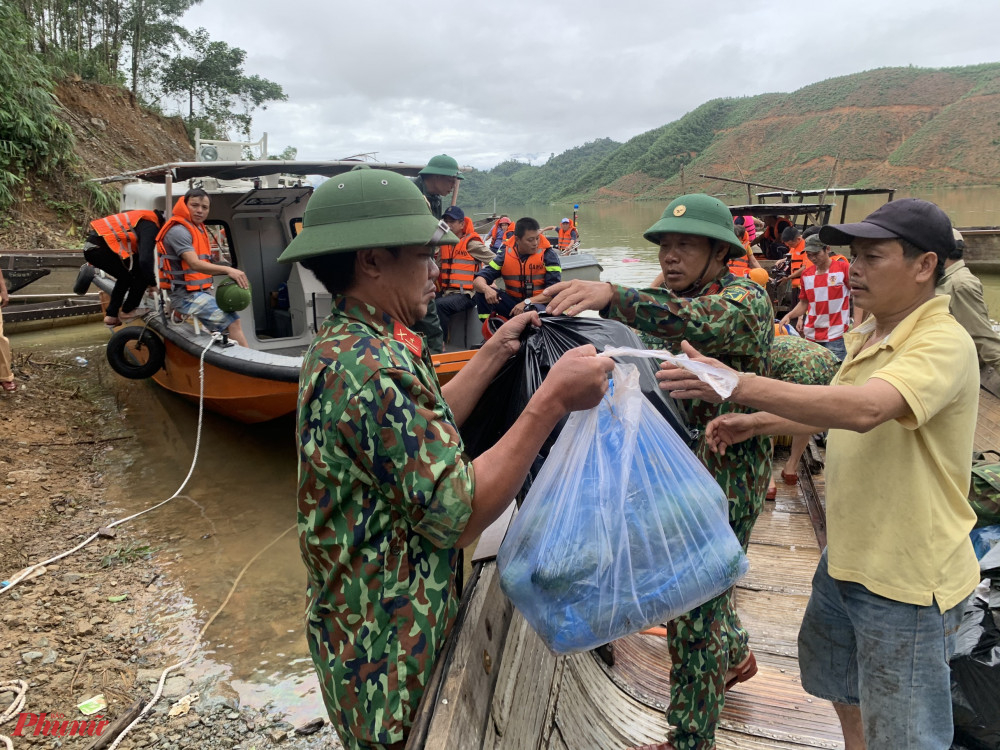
(242, 494)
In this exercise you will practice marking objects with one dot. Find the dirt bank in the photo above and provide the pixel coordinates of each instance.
(108, 619)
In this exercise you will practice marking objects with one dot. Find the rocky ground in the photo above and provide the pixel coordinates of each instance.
(106, 620)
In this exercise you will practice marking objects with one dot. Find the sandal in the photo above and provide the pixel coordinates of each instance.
(790, 478)
(111, 321)
(8, 385)
(741, 673)
(772, 491)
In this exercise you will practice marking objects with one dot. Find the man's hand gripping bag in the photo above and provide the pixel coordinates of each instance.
(622, 529)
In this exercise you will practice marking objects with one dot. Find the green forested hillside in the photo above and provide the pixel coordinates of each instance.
(900, 127)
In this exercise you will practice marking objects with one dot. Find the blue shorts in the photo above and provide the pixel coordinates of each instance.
(891, 658)
(203, 306)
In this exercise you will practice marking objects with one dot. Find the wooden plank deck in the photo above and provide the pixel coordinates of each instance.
(501, 688)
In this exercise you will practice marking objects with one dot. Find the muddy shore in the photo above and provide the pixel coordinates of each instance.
(108, 619)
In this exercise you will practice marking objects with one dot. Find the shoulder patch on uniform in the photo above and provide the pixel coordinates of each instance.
(408, 338)
(735, 294)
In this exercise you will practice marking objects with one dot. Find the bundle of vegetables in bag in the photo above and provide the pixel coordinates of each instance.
(622, 529)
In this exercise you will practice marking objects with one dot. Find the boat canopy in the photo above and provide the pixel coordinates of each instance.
(846, 192)
(235, 170)
(805, 210)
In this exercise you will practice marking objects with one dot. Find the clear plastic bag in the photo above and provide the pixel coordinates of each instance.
(622, 529)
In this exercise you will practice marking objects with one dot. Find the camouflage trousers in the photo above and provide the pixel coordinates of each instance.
(703, 644)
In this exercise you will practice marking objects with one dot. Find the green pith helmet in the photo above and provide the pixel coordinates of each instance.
(365, 208)
(231, 297)
(442, 164)
(698, 214)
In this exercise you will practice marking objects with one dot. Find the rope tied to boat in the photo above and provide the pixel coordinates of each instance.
(21, 687)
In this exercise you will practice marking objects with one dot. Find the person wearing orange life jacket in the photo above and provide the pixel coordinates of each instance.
(184, 256)
(741, 266)
(769, 240)
(798, 262)
(501, 230)
(122, 245)
(568, 235)
(459, 265)
(526, 268)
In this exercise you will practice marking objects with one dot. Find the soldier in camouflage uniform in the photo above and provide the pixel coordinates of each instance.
(731, 317)
(438, 179)
(386, 495)
(798, 360)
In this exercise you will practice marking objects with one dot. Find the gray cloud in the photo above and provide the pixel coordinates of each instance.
(485, 81)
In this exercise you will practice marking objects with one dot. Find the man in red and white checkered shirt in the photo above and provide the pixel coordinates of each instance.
(824, 299)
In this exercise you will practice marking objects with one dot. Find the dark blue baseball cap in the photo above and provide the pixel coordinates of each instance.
(454, 213)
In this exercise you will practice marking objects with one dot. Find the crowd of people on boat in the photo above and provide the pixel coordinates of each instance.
(387, 497)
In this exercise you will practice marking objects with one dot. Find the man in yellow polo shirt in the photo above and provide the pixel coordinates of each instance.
(887, 595)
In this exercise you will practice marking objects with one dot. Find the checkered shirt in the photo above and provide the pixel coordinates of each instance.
(829, 298)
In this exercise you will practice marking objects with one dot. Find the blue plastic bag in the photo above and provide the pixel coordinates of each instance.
(622, 529)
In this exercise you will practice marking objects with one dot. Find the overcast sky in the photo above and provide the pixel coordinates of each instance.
(485, 82)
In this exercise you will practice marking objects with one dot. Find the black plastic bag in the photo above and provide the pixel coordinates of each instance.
(510, 391)
(975, 666)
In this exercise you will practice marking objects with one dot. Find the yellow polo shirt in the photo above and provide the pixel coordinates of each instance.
(898, 520)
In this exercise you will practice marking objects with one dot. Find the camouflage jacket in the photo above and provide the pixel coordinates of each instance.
(732, 320)
(384, 493)
(798, 360)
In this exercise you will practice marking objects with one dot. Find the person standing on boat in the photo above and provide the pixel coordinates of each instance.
(569, 237)
(969, 308)
(439, 178)
(824, 299)
(123, 245)
(6, 373)
(184, 254)
(387, 496)
(459, 265)
(890, 588)
(525, 268)
(732, 318)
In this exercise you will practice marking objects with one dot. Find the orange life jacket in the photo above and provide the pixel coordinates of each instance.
(523, 276)
(798, 259)
(458, 267)
(118, 230)
(566, 236)
(838, 256)
(774, 233)
(175, 273)
(495, 230)
(739, 266)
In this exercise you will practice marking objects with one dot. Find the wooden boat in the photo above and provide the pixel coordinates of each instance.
(41, 311)
(256, 209)
(497, 686)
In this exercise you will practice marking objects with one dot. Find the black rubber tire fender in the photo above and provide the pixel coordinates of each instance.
(83, 279)
(126, 343)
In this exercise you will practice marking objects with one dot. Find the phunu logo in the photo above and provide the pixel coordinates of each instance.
(58, 726)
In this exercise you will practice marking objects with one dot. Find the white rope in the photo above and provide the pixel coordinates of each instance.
(20, 688)
(194, 460)
(194, 647)
(20, 700)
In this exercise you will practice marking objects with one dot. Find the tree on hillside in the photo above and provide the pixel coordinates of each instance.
(212, 81)
(152, 33)
(32, 137)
